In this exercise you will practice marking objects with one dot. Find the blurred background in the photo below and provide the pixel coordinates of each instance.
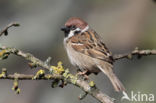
(123, 25)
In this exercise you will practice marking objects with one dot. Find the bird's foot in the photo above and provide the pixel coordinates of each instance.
(83, 74)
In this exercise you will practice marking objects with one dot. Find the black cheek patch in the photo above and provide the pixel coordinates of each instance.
(66, 33)
(76, 32)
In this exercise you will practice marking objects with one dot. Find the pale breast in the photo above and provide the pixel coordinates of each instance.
(78, 59)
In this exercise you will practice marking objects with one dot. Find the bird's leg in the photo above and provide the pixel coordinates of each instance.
(84, 74)
(78, 70)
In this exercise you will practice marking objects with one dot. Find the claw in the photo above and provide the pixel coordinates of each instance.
(84, 74)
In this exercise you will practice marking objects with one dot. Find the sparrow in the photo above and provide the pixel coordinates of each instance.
(87, 52)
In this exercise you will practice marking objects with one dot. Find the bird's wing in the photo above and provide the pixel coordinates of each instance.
(89, 43)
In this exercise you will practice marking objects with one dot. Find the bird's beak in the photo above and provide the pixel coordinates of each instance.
(65, 29)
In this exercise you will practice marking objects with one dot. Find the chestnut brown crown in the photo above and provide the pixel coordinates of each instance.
(77, 22)
(72, 24)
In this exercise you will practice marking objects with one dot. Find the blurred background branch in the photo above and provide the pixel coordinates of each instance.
(5, 30)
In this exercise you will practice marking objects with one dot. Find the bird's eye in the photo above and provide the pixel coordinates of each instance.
(73, 27)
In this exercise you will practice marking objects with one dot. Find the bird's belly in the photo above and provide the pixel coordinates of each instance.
(82, 61)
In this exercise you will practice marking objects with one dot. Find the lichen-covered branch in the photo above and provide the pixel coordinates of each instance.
(30, 77)
(96, 93)
(34, 61)
(61, 74)
(137, 52)
(90, 89)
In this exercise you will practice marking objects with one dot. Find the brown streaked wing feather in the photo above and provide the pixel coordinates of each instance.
(89, 43)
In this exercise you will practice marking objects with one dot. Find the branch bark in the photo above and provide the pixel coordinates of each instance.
(5, 30)
(30, 77)
(136, 52)
(71, 79)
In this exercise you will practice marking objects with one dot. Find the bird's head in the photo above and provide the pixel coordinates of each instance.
(74, 25)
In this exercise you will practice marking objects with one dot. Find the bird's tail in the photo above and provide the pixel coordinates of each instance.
(118, 86)
(107, 69)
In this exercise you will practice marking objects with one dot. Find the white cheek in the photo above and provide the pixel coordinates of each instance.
(71, 33)
(85, 29)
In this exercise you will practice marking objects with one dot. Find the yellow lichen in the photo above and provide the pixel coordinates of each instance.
(2, 52)
(15, 86)
(48, 76)
(1, 75)
(4, 73)
(91, 83)
(73, 79)
(39, 74)
(58, 69)
(41, 71)
(129, 56)
(67, 75)
(18, 91)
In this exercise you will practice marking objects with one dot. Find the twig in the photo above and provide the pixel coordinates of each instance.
(30, 77)
(26, 56)
(136, 52)
(5, 30)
